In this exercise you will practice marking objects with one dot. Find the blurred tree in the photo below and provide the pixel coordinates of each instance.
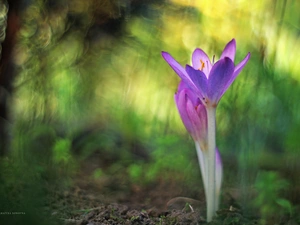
(3, 20)
(41, 32)
(8, 36)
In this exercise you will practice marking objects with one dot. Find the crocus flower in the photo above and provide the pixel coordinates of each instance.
(209, 80)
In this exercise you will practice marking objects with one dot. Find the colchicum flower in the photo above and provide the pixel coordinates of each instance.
(200, 90)
(207, 79)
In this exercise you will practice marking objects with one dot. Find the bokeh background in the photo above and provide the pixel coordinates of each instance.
(88, 84)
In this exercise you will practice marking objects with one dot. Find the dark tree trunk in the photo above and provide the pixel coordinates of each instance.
(7, 70)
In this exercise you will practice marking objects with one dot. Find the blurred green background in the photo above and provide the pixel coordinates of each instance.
(91, 86)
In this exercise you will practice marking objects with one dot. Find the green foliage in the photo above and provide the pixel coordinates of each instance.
(63, 163)
(286, 205)
(269, 200)
(22, 194)
(135, 172)
(61, 151)
(38, 159)
(292, 140)
(171, 159)
(98, 173)
(170, 155)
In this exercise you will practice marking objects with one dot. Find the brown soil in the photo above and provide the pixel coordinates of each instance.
(109, 201)
(89, 203)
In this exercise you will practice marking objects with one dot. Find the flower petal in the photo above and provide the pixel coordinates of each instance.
(199, 79)
(182, 85)
(202, 114)
(219, 76)
(178, 69)
(197, 123)
(189, 92)
(241, 65)
(182, 105)
(236, 72)
(229, 50)
(201, 61)
(180, 100)
(193, 116)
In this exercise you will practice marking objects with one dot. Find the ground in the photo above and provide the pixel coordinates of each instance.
(95, 202)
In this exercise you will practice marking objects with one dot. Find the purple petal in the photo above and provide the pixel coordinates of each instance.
(196, 121)
(193, 97)
(236, 72)
(193, 116)
(201, 61)
(219, 76)
(189, 92)
(199, 79)
(202, 114)
(241, 65)
(181, 102)
(229, 50)
(198, 116)
(182, 85)
(178, 69)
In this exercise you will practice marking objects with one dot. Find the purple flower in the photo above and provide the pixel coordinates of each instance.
(209, 80)
(192, 113)
(200, 90)
(194, 117)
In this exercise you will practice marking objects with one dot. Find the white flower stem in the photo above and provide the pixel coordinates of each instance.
(203, 166)
(211, 163)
